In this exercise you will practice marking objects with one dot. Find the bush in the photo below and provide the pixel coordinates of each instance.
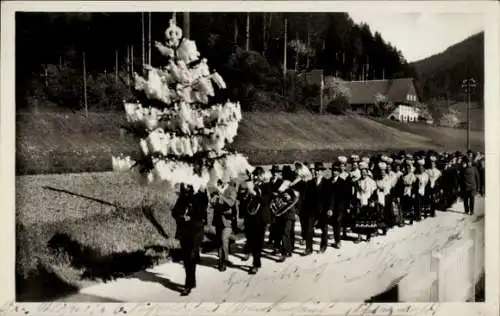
(336, 96)
(383, 105)
(449, 119)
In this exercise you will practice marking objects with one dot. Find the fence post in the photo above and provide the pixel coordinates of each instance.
(436, 267)
(472, 261)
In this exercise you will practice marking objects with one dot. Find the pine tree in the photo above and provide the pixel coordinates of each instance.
(182, 131)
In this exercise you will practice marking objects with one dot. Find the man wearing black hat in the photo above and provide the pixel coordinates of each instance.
(224, 205)
(275, 182)
(340, 198)
(190, 212)
(254, 208)
(469, 184)
(285, 223)
(317, 198)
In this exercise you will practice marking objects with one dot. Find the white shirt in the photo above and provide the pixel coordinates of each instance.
(434, 175)
(423, 179)
(366, 187)
(408, 181)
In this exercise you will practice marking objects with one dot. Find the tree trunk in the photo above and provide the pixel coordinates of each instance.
(264, 34)
(284, 58)
(247, 33)
(143, 37)
(85, 85)
(308, 42)
(149, 39)
(236, 29)
(116, 65)
(297, 55)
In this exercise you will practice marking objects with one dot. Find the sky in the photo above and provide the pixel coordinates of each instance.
(420, 35)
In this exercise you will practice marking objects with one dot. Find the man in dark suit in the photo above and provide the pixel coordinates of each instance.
(285, 222)
(317, 197)
(224, 205)
(273, 185)
(340, 198)
(252, 209)
(469, 185)
(190, 213)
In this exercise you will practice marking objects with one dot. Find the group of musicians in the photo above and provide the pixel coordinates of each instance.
(361, 195)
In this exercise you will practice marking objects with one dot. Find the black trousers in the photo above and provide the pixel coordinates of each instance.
(337, 222)
(419, 205)
(255, 233)
(307, 226)
(323, 223)
(469, 199)
(273, 231)
(284, 231)
(190, 239)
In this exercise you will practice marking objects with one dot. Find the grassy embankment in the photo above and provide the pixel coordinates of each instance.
(76, 229)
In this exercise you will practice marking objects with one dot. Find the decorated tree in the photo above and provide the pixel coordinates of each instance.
(182, 131)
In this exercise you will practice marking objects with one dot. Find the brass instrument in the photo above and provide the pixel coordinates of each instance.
(284, 201)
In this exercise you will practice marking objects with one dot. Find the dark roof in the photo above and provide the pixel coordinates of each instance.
(363, 92)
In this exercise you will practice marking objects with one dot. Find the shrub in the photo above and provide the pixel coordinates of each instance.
(383, 105)
(336, 96)
(449, 119)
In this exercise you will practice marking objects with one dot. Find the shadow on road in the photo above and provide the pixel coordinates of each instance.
(95, 266)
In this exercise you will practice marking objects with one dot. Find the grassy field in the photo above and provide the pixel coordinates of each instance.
(61, 143)
(77, 229)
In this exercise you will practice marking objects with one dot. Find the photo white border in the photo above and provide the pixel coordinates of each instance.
(490, 9)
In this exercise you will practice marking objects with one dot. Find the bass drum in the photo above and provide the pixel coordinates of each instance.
(284, 201)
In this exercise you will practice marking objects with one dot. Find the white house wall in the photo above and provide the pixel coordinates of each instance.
(405, 113)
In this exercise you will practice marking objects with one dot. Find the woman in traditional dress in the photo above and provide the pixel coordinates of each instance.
(433, 186)
(366, 220)
(406, 190)
(421, 197)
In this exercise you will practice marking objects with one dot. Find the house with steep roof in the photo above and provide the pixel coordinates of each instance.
(401, 92)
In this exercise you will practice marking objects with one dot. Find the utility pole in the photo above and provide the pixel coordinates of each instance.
(468, 85)
(85, 86)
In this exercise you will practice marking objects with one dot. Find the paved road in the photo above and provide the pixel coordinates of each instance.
(354, 273)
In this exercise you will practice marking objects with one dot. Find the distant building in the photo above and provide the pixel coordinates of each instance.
(401, 92)
(405, 113)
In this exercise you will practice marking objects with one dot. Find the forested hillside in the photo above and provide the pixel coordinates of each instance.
(441, 75)
(246, 48)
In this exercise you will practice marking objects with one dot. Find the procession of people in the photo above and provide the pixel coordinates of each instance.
(362, 196)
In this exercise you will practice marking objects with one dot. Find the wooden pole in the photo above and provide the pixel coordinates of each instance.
(132, 61)
(143, 39)
(186, 24)
(46, 75)
(468, 118)
(116, 65)
(284, 58)
(85, 86)
(236, 29)
(149, 39)
(321, 89)
(128, 65)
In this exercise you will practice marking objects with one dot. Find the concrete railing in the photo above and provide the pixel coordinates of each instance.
(448, 275)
